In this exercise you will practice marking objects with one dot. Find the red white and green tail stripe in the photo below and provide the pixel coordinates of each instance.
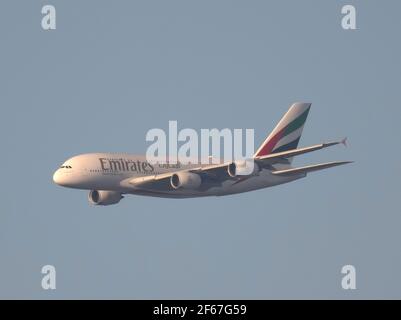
(287, 133)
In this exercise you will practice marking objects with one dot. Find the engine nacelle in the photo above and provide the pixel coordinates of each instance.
(243, 168)
(185, 180)
(103, 197)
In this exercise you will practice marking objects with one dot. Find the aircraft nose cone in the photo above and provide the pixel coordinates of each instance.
(57, 177)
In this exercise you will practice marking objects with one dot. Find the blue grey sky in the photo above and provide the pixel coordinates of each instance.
(112, 70)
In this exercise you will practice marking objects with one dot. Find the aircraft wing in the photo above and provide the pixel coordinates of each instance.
(215, 174)
(306, 169)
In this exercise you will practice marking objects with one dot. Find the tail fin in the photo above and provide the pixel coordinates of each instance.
(287, 133)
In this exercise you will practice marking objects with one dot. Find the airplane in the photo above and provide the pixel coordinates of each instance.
(110, 176)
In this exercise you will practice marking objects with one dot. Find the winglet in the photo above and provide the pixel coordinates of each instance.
(344, 141)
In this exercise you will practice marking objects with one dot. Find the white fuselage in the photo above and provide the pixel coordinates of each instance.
(112, 171)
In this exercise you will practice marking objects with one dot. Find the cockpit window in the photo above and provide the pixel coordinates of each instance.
(66, 167)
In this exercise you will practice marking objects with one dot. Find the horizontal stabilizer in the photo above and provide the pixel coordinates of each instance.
(310, 168)
(279, 156)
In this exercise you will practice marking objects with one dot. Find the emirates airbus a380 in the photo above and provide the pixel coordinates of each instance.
(109, 176)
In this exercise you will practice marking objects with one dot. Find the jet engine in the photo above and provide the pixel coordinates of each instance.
(243, 168)
(185, 180)
(103, 197)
